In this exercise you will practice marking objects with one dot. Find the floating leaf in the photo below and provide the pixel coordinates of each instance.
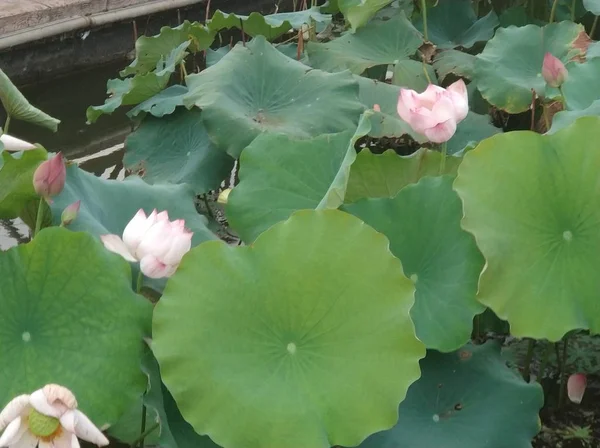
(566, 118)
(378, 43)
(16, 180)
(511, 63)
(287, 325)
(270, 26)
(411, 75)
(464, 398)
(384, 175)
(161, 104)
(176, 149)
(131, 91)
(453, 23)
(17, 106)
(456, 62)
(277, 94)
(440, 257)
(538, 236)
(69, 316)
(359, 12)
(149, 51)
(279, 175)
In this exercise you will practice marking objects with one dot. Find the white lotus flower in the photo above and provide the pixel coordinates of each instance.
(49, 418)
(15, 144)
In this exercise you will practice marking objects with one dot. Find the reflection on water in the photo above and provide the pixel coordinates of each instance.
(97, 148)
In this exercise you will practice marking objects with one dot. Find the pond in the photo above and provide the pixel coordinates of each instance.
(97, 148)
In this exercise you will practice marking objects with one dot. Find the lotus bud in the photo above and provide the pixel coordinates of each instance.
(15, 144)
(49, 178)
(224, 196)
(377, 108)
(70, 213)
(576, 387)
(554, 71)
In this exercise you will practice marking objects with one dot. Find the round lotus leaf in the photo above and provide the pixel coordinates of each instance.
(533, 203)
(582, 86)
(511, 63)
(276, 94)
(466, 399)
(294, 341)
(70, 317)
(440, 257)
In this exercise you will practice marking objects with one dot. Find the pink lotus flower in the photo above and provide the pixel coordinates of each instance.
(48, 417)
(157, 243)
(576, 387)
(15, 144)
(554, 71)
(436, 112)
(49, 178)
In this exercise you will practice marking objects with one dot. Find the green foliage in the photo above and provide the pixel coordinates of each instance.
(265, 343)
(358, 12)
(16, 180)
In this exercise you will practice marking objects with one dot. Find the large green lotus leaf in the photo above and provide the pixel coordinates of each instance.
(440, 257)
(285, 338)
(176, 149)
(270, 26)
(384, 175)
(69, 316)
(17, 106)
(456, 62)
(465, 399)
(539, 235)
(511, 63)
(582, 87)
(517, 16)
(279, 175)
(108, 205)
(16, 180)
(473, 129)
(592, 6)
(141, 87)
(149, 50)
(565, 118)
(276, 94)
(411, 75)
(453, 23)
(378, 43)
(359, 12)
(161, 104)
(593, 51)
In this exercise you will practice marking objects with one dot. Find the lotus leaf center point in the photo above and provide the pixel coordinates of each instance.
(26, 336)
(291, 348)
(567, 235)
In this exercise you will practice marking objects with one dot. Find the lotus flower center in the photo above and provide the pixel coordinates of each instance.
(42, 425)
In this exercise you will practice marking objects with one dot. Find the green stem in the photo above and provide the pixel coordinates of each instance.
(143, 427)
(573, 11)
(140, 282)
(6, 124)
(39, 217)
(594, 25)
(149, 431)
(443, 159)
(564, 98)
(528, 359)
(545, 113)
(553, 11)
(424, 14)
(563, 370)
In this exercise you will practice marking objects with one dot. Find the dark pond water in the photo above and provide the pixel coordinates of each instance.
(97, 147)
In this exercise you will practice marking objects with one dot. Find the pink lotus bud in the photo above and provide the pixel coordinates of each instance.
(70, 213)
(576, 387)
(49, 178)
(376, 108)
(436, 112)
(554, 71)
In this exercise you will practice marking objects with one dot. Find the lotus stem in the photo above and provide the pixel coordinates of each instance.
(545, 113)
(6, 124)
(573, 11)
(553, 11)
(38, 217)
(563, 370)
(528, 359)
(443, 159)
(143, 427)
(149, 431)
(140, 282)
(424, 14)
(593, 30)
(564, 98)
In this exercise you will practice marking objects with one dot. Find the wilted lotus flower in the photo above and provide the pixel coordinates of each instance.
(49, 178)
(554, 71)
(157, 243)
(48, 417)
(15, 144)
(435, 112)
(576, 387)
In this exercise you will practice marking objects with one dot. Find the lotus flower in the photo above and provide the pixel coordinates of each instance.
(576, 387)
(15, 144)
(49, 178)
(70, 213)
(554, 71)
(436, 112)
(48, 417)
(157, 243)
